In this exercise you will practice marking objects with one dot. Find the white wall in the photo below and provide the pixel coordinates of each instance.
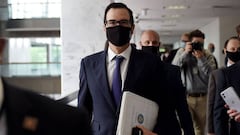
(228, 29)
(212, 35)
(82, 34)
(20, 47)
(165, 39)
(218, 31)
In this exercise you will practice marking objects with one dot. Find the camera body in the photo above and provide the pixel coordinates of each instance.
(197, 46)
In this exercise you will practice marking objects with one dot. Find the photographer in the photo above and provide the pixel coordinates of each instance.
(196, 65)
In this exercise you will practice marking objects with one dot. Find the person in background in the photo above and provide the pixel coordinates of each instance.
(196, 65)
(211, 47)
(23, 112)
(229, 46)
(165, 54)
(150, 42)
(172, 53)
(139, 72)
(27, 113)
(228, 76)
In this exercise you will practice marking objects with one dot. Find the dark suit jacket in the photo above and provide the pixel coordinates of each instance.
(48, 117)
(211, 98)
(230, 77)
(171, 56)
(143, 78)
(177, 94)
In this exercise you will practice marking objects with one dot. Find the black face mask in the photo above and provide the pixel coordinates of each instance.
(151, 49)
(211, 50)
(119, 35)
(233, 56)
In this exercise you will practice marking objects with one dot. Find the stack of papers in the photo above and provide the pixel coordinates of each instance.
(136, 110)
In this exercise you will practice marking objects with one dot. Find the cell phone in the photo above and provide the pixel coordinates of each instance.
(231, 98)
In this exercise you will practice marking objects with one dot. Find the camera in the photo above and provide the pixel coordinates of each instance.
(197, 46)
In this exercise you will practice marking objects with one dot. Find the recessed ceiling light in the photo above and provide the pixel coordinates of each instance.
(172, 16)
(176, 7)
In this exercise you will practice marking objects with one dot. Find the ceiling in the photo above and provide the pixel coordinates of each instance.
(154, 14)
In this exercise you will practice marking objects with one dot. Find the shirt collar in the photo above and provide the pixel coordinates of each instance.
(229, 64)
(125, 53)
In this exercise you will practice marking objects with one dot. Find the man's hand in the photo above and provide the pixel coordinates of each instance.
(188, 47)
(146, 131)
(234, 114)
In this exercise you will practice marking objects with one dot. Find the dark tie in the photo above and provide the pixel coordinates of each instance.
(117, 81)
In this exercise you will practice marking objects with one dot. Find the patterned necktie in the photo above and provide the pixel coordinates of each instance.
(117, 81)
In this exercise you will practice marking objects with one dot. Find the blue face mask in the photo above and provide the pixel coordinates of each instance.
(182, 44)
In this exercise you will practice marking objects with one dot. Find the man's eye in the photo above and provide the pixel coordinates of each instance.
(112, 22)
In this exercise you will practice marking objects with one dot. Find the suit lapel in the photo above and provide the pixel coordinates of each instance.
(100, 71)
(133, 72)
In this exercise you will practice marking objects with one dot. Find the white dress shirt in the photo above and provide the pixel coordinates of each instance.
(111, 64)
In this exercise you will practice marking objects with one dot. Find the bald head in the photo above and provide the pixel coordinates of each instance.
(150, 38)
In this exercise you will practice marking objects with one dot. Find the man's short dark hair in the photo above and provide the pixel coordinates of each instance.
(119, 5)
(226, 42)
(197, 33)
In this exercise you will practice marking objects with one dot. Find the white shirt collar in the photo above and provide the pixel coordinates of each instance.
(126, 53)
(229, 64)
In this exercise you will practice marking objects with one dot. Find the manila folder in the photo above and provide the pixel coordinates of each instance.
(136, 110)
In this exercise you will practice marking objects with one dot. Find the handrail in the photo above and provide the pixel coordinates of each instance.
(70, 97)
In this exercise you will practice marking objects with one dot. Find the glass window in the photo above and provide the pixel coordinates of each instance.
(34, 50)
(38, 53)
(33, 57)
(19, 9)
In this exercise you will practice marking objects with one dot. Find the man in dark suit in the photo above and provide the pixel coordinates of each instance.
(23, 112)
(27, 113)
(184, 38)
(228, 76)
(150, 42)
(213, 81)
(140, 73)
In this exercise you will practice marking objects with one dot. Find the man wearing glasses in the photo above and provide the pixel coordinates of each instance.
(139, 73)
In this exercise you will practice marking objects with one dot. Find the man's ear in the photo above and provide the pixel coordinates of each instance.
(224, 51)
(104, 28)
(132, 29)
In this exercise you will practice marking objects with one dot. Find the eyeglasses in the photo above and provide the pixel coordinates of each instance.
(112, 23)
(185, 41)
